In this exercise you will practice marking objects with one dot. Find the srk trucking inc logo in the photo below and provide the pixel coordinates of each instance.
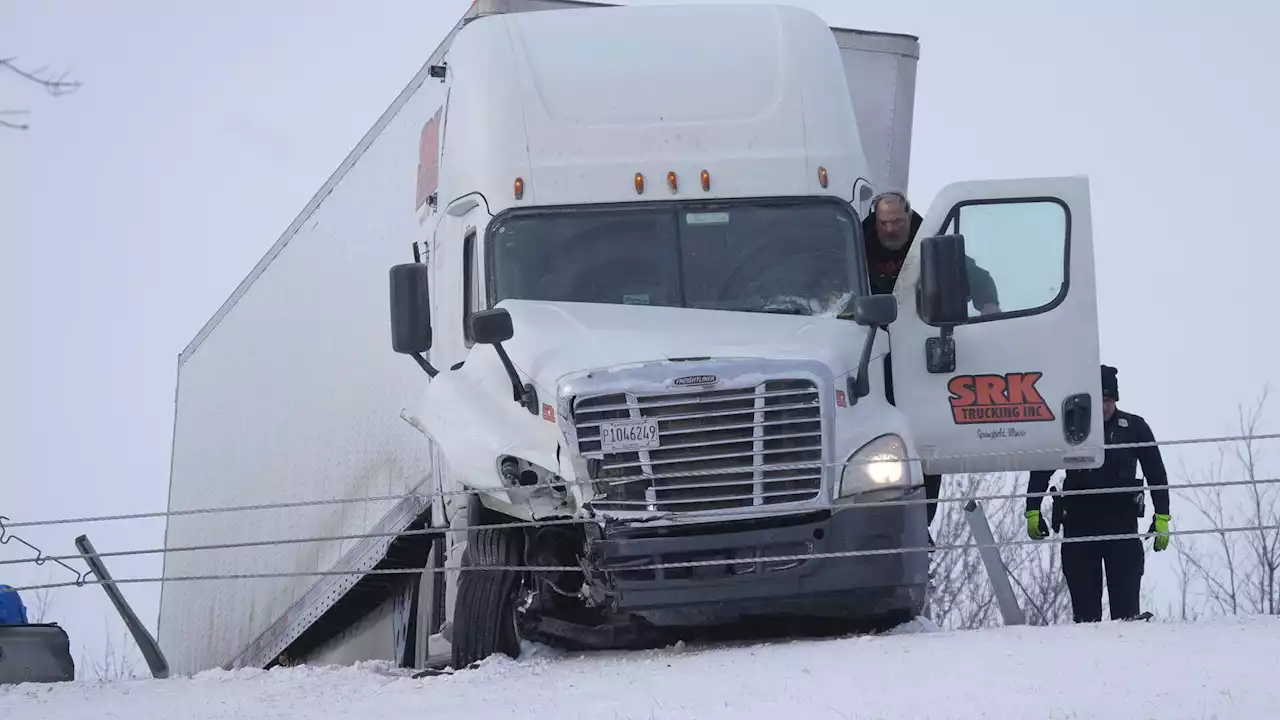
(1010, 398)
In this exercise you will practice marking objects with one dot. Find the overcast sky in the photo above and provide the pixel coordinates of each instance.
(131, 209)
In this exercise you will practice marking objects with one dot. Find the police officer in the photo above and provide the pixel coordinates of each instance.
(1107, 514)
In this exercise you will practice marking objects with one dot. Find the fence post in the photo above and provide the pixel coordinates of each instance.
(150, 648)
(996, 570)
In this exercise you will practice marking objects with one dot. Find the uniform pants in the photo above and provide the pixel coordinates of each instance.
(1083, 564)
(932, 485)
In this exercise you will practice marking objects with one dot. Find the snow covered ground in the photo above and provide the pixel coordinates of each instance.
(1219, 669)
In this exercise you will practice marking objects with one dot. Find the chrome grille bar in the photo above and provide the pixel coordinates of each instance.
(703, 400)
(701, 415)
(749, 447)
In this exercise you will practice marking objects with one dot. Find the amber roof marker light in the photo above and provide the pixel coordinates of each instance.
(671, 182)
(639, 183)
(519, 188)
(706, 181)
(822, 176)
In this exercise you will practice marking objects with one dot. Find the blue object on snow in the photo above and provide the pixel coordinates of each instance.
(12, 611)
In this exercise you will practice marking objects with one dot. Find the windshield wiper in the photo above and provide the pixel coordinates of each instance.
(784, 310)
(781, 307)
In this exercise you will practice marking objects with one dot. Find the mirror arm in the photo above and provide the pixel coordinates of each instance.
(525, 395)
(860, 385)
(426, 366)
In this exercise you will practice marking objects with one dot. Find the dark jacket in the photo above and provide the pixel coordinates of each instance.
(1119, 470)
(883, 265)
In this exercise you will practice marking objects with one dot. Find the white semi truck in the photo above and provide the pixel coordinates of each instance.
(626, 244)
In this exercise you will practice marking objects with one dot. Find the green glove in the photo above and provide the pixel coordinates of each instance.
(1036, 527)
(1160, 526)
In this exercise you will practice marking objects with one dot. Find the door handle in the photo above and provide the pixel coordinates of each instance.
(1077, 417)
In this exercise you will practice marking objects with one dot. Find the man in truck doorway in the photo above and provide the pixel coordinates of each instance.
(888, 231)
(1107, 514)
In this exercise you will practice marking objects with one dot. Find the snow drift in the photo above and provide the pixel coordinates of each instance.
(1223, 668)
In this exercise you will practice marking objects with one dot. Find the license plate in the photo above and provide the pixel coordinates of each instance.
(628, 435)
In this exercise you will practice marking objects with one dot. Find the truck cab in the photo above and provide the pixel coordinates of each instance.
(654, 365)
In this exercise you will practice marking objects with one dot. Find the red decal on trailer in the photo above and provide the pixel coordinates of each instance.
(429, 159)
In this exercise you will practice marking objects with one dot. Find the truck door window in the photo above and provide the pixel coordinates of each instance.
(1017, 252)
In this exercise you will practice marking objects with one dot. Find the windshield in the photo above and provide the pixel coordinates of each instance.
(801, 257)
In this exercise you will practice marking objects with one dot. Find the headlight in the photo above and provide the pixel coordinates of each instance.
(880, 464)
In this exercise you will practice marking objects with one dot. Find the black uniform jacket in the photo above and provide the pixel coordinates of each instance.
(1119, 470)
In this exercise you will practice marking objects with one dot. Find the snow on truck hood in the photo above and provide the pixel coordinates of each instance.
(553, 339)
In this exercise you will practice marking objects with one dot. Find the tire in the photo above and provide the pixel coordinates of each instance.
(484, 614)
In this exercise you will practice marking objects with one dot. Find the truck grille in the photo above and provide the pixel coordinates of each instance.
(735, 440)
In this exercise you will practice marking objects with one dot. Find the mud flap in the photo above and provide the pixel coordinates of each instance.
(35, 653)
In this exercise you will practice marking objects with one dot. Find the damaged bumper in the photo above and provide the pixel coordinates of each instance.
(850, 588)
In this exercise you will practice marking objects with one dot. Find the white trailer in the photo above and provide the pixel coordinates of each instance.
(722, 118)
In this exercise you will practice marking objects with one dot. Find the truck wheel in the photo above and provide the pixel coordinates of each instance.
(485, 609)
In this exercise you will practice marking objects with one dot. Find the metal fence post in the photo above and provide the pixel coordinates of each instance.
(146, 643)
(996, 570)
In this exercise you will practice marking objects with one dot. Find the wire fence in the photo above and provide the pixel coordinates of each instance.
(660, 566)
(588, 483)
(806, 510)
(82, 578)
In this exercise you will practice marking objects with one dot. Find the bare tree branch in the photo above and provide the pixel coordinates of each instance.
(54, 86)
(57, 86)
(1263, 544)
(41, 608)
(1239, 572)
(114, 663)
(13, 125)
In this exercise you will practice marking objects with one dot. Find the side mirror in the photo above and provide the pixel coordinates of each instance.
(870, 311)
(491, 327)
(410, 309)
(944, 281)
(875, 309)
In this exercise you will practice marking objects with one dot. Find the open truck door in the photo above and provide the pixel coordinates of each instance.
(1007, 380)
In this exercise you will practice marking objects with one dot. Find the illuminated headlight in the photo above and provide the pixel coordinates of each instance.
(878, 465)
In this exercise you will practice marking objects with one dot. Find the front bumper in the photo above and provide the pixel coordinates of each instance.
(854, 587)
